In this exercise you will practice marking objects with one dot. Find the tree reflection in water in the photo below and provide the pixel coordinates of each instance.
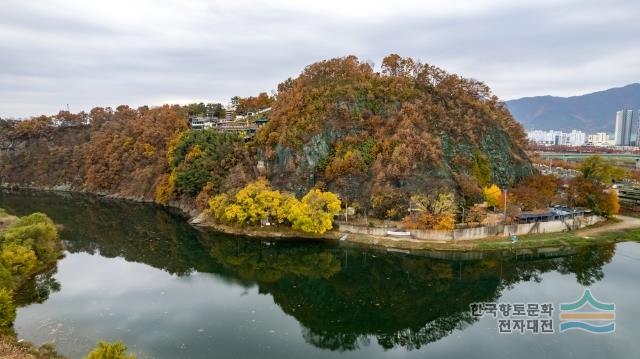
(343, 297)
(37, 289)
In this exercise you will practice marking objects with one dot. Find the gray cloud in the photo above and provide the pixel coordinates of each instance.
(152, 52)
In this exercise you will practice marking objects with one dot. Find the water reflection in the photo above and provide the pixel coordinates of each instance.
(342, 296)
(37, 289)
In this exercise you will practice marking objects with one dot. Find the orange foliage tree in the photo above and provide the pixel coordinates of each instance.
(536, 192)
(583, 192)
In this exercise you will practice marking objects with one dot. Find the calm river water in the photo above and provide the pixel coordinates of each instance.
(140, 274)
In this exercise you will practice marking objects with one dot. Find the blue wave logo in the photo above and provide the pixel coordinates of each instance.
(600, 319)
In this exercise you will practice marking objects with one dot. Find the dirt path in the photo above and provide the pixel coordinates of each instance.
(627, 223)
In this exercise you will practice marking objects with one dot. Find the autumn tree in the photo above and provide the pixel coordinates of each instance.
(583, 192)
(255, 202)
(389, 203)
(597, 169)
(314, 213)
(476, 214)
(435, 211)
(18, 259)
(253, 104)
(536, 192)
(492, 195)
(128, 147)
(217, 205)
(469, 189)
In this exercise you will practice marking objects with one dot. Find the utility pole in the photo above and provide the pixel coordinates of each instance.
(505, 204)
(346, 209)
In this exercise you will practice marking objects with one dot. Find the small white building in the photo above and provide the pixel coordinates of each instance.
(202, 122)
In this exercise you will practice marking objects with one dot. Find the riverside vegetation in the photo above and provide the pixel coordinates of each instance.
(340, 134)
(29, 246)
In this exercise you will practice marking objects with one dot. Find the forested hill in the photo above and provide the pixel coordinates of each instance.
(593, 112)
(374, 138)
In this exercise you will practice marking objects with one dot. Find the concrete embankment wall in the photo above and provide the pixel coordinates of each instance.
(463, 234)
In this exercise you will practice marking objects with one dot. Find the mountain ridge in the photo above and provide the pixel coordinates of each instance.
(591, 112)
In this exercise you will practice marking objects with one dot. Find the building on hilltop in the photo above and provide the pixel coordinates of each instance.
(201, 122)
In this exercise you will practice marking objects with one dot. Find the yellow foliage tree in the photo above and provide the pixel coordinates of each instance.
(166, 188)
(255, 202)
(297, 213)
(218, 205)
(18, 259)
(492, 195)
(195, 152)
(235, 213)
(172, 146)
(314, 214)
(609, 203)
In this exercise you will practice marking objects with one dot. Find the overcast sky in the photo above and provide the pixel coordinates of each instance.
(105, 53)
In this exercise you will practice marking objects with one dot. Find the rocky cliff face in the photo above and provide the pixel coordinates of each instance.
(119, 153)
(411, 128)
(49, 160)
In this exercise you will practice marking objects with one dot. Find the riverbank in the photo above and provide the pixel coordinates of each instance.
(11, 348)
(619, 229)
(611, 230)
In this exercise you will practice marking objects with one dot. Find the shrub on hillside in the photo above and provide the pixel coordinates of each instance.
(105, 350)
(20, 260)
(36, 232)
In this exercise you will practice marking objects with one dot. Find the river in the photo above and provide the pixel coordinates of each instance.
(140, 274)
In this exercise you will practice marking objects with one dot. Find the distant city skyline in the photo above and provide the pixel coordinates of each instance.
(626, 133)
(553, 137)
